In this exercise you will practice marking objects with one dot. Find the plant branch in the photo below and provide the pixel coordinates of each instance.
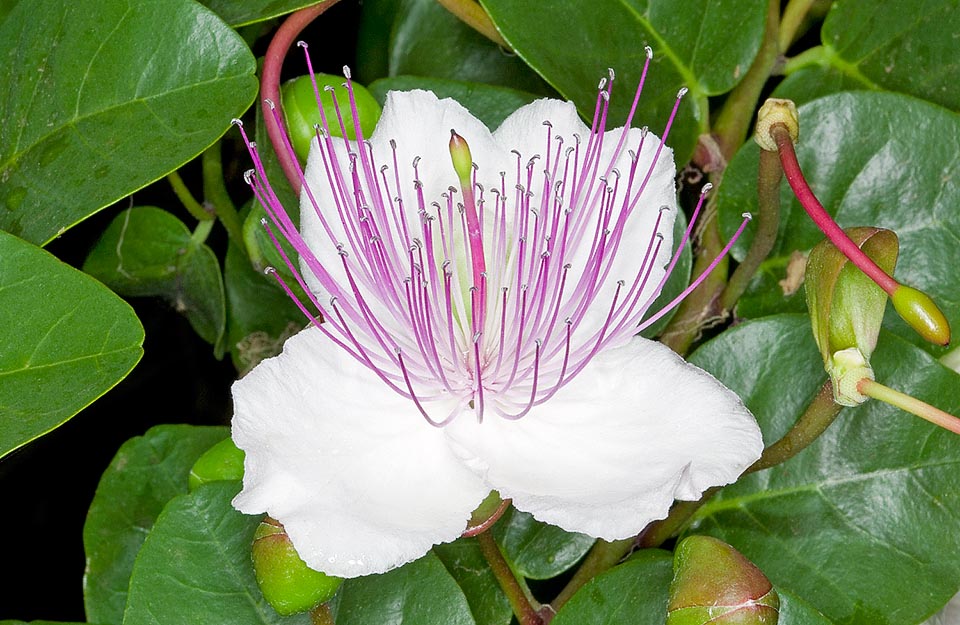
(186, 198)
(522, 606)
(602, 556)
(769, 175)
(321, 615)
(793, 17)
(216, 195)
(473, 15)
(270, 82)
(872, 388)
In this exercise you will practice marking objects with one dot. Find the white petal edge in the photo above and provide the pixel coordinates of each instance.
(360, 481)
(638, 428)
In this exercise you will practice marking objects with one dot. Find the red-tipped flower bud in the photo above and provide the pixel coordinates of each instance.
(302, 115)
(713, 583)
(223, 461)
(285, 580)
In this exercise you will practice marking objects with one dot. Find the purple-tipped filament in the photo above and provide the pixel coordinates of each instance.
(476, 300)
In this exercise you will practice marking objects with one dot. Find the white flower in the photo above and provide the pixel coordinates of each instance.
(479, 343)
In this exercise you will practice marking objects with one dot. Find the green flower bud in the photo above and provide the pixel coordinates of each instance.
(846, 307)
(713, 583)
(923, 315)
(223, 461)
(301, 113)
(287, 583)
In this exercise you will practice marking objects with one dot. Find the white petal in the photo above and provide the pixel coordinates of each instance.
(360, 481)
(524, 131)
(613, 449)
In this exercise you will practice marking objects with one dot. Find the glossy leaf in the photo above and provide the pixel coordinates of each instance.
(146, 251)
(243, 12)
(537, 550)
(633, 593)
(421, 592)
(260, 315)
(421, 38)
(195, 567)
(860, 524)
(874, 159)
(706, 47)
(107, 101)
(466, 564)
(66, 340)
(146, 473)
(866, 45)
(489, 104)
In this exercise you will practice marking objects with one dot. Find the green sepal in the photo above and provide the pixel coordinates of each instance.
(223, 461)
(714, 583)
(301, 112)
(287, 583)
(846, 307)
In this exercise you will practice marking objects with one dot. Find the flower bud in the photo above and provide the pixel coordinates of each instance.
(922, 314)
(776, 111)
(846, 306)
(223, 461)
(285, 580)
(713, 583)
(301, 113)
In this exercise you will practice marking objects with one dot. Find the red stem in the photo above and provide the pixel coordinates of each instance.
(820, 216)
(270, 81)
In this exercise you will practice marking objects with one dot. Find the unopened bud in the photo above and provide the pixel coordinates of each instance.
(776, 111)
(223, 461)
(285, 580)
(715, 584)
(302, 115)
(922, 314)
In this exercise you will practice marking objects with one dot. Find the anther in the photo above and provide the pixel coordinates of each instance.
(682, 92)
(649, 51)
(270, 103)
(237, 122)
(302, 44)
(706, 188)
(346, 72)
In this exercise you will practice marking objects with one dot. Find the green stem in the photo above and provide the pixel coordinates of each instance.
(793, 17)
(818, 416)
(186, 198)
(701, 308)
(321, 615)
(872, 388)
(519, 600)
(603, 556)
(769, 175)
(817, 55)
(815, 419)
(473, 15)
(733, 122)
(202, 231)
(215, 192)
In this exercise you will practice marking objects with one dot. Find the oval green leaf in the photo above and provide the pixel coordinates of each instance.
(146, 251)
(195, 566)
(100, 103)
(873, 159)
(421, 592)
(242, 12)
(908, 47)
(859, 524)
(147, 472)
(67, 340)
(705, 46)
(537, 550)
(465, 562)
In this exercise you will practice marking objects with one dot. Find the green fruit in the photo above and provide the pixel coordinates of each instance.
(285, 580)
(301, 112)
(223, 461)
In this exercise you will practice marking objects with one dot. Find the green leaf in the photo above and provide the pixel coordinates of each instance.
(67, 340)
(538, 550)
(421, 592)
(195, 567)
(146, 251)
(145, 474)
(489, 104)
(858, 524)
(707, 47)
(37, 623)
(424, 39)
(873, 159)
(796, 611)
(100, 103)
(260, 315)
(909, 47)
(465, 562)
(633, 593)
(243, 12)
